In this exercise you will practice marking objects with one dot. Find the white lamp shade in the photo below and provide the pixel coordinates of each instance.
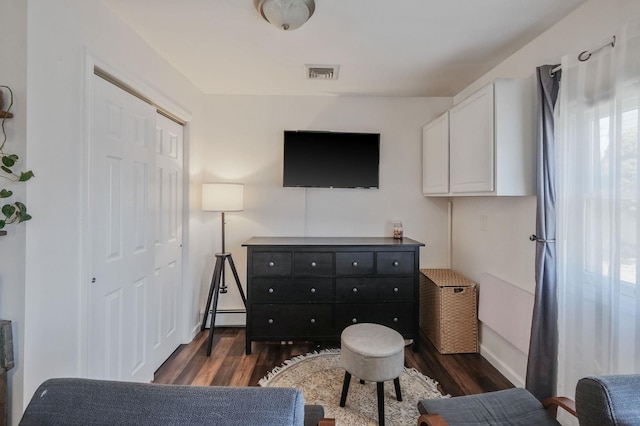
(222, 197)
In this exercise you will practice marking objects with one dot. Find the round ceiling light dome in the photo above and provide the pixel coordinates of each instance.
(286, 14)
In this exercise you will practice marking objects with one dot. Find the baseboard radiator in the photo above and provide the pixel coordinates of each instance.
(507, 310)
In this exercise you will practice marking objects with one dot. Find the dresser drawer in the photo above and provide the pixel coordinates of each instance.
(291, 321)
(394, 289)
(355, 290)
(274, 290)
(354, 263)
(271, 263)
(395, 263)
(311, 263)
(398, 316)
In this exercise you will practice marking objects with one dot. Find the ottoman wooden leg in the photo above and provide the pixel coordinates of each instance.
(396, 383)
(345, 388)
(381, 403)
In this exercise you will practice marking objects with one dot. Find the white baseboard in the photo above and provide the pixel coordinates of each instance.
(229, 318)
(506, 371)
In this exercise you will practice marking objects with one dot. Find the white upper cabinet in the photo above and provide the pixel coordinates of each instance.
(471, 143)
(490, 143)
(435, 156)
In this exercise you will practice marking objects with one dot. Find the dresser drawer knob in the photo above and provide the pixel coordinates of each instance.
(271, 290)
(354, 320)
(355, 290)
(313, 290)
(272, 264)
(395, 263)
(313, 320)
(270, 321)
(313, 264)
(395, 289)
(355, 263)
(395, 319)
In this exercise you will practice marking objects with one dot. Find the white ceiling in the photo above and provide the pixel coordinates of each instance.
(383, 47)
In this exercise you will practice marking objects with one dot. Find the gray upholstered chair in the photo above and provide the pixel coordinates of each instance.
(101, 402)
(601, 401)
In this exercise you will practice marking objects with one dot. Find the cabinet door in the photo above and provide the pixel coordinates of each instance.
(472, 143)
(435, 156)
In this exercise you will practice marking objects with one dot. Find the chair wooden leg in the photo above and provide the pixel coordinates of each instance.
(396, 383)
(345, 388)
(381, 403)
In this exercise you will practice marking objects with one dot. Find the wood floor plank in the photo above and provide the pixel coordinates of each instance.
(457, 374)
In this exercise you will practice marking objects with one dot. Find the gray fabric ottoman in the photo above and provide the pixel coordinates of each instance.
(374, 353)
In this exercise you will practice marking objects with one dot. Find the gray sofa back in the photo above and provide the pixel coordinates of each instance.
(99, 402)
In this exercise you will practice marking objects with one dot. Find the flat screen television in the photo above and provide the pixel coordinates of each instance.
(331, 159)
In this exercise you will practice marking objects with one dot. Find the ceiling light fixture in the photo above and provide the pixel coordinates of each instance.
(286, 14)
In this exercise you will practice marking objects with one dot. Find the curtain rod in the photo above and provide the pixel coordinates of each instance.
(586, 54)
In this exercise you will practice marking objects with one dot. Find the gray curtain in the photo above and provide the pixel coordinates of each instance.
(543, 348)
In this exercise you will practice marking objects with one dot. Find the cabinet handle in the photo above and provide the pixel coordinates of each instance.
(270, 321)
(395, 289)
(272, 264)
(354, 320)
(313, 264)
(313, 320)
(313, 290)
(355, 290)
(395, 319)
(355, 263)
(395, 263)
(270, 290)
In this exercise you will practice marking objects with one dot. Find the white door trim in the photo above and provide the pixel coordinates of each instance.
(91, 62)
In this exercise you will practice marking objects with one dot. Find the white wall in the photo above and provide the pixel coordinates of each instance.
(504, 249)
(59, 34)
(13, 73)
(245, 142)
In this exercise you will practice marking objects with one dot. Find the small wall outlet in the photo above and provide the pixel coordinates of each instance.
(483, 222)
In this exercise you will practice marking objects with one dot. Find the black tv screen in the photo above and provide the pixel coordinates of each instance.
(331, 159)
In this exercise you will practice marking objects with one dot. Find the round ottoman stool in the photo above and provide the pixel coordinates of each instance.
(374, 353)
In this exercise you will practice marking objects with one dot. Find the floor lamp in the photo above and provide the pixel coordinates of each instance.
(221, 197)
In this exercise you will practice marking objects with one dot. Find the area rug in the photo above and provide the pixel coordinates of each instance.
(319, 375)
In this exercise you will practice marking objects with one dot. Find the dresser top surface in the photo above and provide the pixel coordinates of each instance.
(331, 241)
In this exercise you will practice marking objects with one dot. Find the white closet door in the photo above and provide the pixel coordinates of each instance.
(123, 199)
(168, 237)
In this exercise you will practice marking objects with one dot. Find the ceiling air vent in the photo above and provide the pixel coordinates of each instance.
(322, 72)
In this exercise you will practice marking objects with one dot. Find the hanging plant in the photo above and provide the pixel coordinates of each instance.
(11, 212)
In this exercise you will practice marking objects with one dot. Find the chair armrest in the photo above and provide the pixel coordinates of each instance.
(552, 404)
(431, 420)
(327, 422)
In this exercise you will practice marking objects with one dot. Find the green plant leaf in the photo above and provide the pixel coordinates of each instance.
(21, 207)
(5, 193)
(8, 161)
(6, 169)
(8, 210)
(23, 216)
(13, 157)
(2, 223)
(25, 176)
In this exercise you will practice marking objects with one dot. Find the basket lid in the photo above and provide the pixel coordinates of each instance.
(447, 278)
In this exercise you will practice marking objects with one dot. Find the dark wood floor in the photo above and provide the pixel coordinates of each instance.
(459, 374)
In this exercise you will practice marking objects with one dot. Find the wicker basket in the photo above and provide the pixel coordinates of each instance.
(448, 311)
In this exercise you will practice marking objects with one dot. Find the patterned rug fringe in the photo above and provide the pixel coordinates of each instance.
(264, 382)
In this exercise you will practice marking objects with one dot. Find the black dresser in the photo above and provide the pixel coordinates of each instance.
(312, 288)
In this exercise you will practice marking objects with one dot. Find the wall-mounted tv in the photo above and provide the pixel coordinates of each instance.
(331, 159)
